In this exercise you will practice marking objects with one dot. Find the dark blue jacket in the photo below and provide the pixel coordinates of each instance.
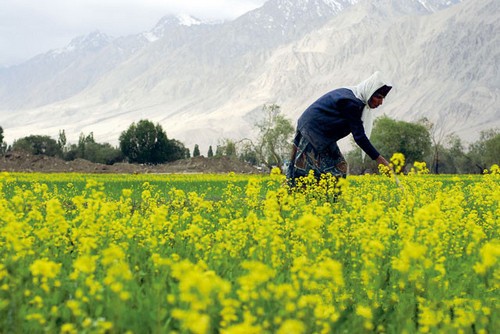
(332, 117)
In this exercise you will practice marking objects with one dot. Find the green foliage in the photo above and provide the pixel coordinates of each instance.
(36, 144)
(103, 153)
(219, 151)
(453, 158)
(145, 142)
(230, 148)
(450, 158)
(62, 139)
(486, 151)
(390, 136)
(275, 132)
(3, 146)
(177, 150)
(445, 156)
(83, 141)
(411, 139)
(226, 148)
(196, 151)
(210, 152)
(88, 149)
(248, 154)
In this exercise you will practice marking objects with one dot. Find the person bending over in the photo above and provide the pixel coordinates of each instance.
(330, 118)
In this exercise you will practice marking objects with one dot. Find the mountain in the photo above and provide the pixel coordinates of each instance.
(62, 73)
(203, 82)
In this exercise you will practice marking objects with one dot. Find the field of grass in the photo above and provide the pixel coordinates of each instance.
(245, 254)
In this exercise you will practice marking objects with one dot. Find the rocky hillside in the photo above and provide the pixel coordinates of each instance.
(206, 82)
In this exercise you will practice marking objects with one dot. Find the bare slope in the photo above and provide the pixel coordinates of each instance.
(443, 64)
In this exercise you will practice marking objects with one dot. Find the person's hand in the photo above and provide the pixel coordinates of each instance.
(381, 161)
(383, 166)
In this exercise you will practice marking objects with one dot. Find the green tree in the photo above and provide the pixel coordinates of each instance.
(226, 148)
(36, 144)
(210, 152)
(437, 135)
(61, 141)
(486, 151)
(247, 153)
(177, 150)
(219, 151)
(230, 148)
(146, 142)
(102, 153)
(273, 143)
(88, 149)
(83, 143)
(459, 161)
(3, 145)
(441, 160)
(196, 151)
(391, 136)
(450, 157)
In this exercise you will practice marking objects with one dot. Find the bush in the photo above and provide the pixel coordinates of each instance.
(36, 144)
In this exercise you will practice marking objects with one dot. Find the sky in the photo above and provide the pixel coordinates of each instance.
(31, 27)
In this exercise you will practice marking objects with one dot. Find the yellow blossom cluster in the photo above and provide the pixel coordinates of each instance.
(248, 254)
(397, 162)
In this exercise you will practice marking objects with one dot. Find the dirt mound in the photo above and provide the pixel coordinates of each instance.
(25, 162)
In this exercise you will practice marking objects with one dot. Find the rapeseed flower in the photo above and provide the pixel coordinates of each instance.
(248, 254)
(419, 168)
(85, 264)
(45, 268)
(38, 317)
(292, 326)
(397, 162)
(490, 252)
(411, 252)
(112, 254)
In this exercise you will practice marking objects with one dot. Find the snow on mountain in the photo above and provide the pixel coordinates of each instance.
(205, 82)
(436, 5)
(167, 23)
(287, 20)
(91, 42)
(62, 73)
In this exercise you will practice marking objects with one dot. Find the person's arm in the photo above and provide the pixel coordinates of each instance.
(351, 112)
(358, 133)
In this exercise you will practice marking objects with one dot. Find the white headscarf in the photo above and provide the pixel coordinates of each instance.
(364, 91)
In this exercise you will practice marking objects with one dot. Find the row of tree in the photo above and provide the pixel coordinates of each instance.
(445, 154)
(418, 141)
(143, 142)
(146, 142)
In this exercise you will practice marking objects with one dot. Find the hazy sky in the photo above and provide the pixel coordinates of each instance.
(30, 27)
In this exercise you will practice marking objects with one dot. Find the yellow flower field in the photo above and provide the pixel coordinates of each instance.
(246, 254)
